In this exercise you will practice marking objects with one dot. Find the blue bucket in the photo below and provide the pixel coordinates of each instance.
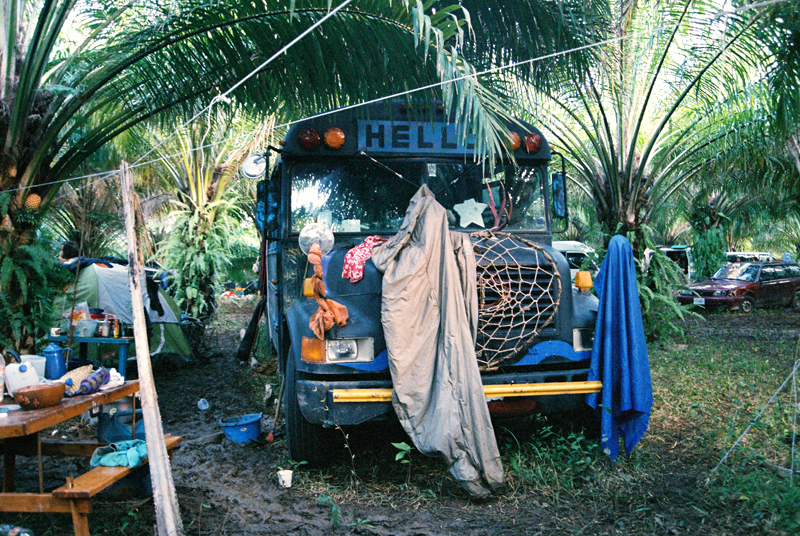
(242, 429)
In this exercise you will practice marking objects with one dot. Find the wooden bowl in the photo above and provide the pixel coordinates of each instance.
(39, 396)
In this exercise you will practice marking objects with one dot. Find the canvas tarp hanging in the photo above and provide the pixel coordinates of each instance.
(107, 287)
(429, 316)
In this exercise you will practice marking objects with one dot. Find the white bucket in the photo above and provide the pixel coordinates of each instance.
(36, 361)
(285, 478)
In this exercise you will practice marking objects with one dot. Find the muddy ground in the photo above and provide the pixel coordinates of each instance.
(225, 488)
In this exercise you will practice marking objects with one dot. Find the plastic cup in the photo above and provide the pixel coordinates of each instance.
(285, 478)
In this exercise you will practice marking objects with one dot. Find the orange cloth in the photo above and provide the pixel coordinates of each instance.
(329, 312)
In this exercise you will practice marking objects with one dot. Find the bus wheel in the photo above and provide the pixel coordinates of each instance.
(307, 442)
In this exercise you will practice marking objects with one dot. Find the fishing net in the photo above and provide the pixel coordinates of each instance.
(519, 291)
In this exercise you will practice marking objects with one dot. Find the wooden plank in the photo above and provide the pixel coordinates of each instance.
(81, 449)
(168, 515)
(22, 422)
(96, 480)
(41, 503)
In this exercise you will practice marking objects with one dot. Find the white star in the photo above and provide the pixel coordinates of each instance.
(470, 212)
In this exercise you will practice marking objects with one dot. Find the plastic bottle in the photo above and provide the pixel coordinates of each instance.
(116, 329)
(19, 375)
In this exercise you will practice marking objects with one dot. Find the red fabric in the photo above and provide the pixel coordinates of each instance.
(355, 259)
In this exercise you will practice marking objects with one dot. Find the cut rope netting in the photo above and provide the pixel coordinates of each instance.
(519, 292)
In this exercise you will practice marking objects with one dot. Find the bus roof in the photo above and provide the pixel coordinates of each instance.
(397, 129)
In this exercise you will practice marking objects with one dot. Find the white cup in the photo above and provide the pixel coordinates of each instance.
(285, 478)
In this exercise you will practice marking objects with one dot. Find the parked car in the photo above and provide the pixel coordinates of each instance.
(680, 255)
(747, 285)
(577, 254)
(749, 256)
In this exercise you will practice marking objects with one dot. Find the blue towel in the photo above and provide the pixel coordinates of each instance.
(619, 353)
(128, 453)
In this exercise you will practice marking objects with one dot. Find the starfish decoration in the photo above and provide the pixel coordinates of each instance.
(470, 212)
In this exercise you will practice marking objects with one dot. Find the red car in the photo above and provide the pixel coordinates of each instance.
(747, 285)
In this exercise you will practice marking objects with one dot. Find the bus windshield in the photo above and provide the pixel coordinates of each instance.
(372, 197)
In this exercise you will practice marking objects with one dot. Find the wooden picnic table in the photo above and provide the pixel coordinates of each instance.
(20, 434)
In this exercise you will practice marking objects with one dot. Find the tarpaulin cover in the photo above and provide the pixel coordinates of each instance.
(619, 353)
(429, 314)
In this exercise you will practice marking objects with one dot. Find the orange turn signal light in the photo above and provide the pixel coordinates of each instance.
(334, 138)
(312, 350)
(583, 280)
(308, 288)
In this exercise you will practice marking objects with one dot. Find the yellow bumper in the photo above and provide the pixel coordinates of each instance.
(491, 391)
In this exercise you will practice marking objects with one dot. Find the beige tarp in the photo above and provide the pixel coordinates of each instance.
(429, 315)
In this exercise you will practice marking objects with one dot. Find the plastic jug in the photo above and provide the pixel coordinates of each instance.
(19, 375)
(36, 361)
(55, 361)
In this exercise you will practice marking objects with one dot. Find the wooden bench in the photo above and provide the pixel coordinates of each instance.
(80, 490)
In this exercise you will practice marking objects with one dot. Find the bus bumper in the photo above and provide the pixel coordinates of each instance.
(343, 403)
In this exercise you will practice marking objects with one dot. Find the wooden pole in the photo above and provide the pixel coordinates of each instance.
(168, 515)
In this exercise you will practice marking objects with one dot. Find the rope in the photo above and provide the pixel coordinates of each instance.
(760, 413)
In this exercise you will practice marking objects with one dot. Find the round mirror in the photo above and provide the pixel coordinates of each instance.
(254, 165)
(316, 233)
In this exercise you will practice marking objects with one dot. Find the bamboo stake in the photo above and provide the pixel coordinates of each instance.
(167, 512)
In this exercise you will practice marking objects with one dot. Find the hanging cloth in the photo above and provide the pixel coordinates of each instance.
(429, 314)
(355, 259)
(329, 311)
(619, 353)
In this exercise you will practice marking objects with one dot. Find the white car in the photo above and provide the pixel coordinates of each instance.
(575, 253)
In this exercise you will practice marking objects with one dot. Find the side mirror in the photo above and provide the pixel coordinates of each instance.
(559, 195)
(255, 165)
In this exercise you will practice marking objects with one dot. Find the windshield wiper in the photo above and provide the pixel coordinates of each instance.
(456, 179)
(387, 168)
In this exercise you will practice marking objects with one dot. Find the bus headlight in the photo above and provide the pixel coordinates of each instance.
(349, 350)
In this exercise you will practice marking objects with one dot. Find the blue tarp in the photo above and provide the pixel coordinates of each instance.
(619, 353)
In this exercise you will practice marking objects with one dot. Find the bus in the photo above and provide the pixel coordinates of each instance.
(353, 173)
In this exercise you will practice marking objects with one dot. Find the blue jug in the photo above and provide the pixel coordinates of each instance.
(55, 364)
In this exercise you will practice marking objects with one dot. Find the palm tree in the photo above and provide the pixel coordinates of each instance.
(676, 93)
(60, 101)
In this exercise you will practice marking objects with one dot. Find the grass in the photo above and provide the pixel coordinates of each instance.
(707, 390)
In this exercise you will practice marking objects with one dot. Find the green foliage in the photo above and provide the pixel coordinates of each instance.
(708, 240)
(552, 457)
(708, 252)
(659, 280)
(336, 510)
(29, 278)
(199, 250)
(404, 452)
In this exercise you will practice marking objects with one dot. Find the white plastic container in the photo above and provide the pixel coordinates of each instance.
(36, 361)
(19, 375)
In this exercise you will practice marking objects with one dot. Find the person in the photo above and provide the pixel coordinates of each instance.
(69, 252)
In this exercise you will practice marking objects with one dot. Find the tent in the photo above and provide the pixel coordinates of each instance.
(106, 286)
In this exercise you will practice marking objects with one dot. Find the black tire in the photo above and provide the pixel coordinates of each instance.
(307, 442)
(796, 300)
(748, 305)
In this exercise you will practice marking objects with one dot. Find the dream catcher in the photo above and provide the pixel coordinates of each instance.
(519, 291)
